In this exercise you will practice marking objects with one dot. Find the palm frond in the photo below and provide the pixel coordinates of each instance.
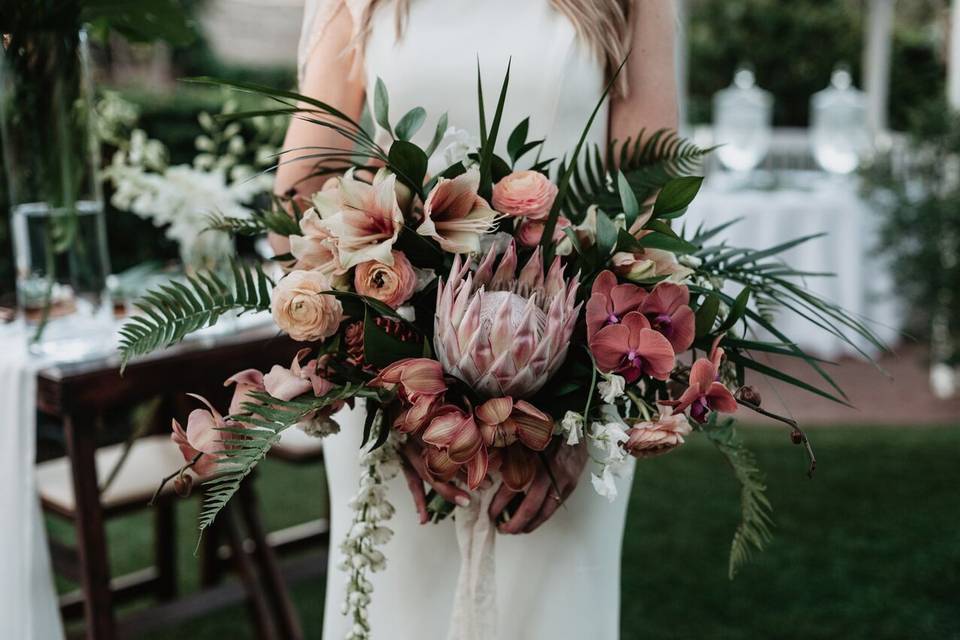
(248, 445)
(647, 163)
(753, 532)
(173, 310)
(261, 222)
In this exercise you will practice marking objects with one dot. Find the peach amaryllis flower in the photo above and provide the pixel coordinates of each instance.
(503, 421)
(706, 393)
(655, 437)
(505, 334)
(203, 435)
(631, 348)
(364, 219)
(455, 216)
(609, 302)
(667, 308)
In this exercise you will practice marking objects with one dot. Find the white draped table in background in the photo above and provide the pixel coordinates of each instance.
(804, 203)
(28, 601)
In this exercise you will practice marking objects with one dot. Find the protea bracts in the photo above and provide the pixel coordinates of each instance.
(503, 333)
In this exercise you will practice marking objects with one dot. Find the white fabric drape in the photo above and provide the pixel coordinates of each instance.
(28, 601)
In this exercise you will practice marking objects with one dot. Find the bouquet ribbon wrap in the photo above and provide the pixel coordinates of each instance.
(474, 615)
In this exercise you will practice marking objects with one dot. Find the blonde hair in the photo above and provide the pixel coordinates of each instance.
(603, 24)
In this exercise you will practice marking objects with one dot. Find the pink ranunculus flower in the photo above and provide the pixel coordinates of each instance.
(525, 194)
(609, 302)
(503, 421)
(203, 435)
(390, 284)
(455, 216)
(530, 232)
(365, 219)
(417, 378)
(246, 381)
(631, 349)
(706, 393)
(652, 438)
(286, 384)
(667, 308)
(303, 310)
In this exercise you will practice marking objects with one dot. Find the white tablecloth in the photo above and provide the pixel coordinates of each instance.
(806, 203)
(28, 601)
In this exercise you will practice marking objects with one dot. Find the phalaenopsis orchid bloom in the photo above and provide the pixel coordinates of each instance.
(706, 393)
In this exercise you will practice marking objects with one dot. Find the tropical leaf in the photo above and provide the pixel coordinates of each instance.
(264, 421)
(648, 163)
(260, 222)
(174, 310)
(753, 531)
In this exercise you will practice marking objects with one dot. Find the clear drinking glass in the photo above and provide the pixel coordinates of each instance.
(50, 158)
(742, 122)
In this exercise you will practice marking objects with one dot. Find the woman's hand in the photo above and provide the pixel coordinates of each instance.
(416, 473)
(542, 498)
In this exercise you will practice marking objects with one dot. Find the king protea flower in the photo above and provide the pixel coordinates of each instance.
(501, 333)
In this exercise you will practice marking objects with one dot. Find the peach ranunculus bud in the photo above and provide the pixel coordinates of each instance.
(524, 194)
(648, 439)
(531, 231)
(303, 310)
(391, 285)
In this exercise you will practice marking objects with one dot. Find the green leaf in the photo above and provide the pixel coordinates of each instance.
(707, 315)
(381, 106)
(517, 139)
(487, 147)
(410, 164)
(736, 311)
(655, 240)
(628, 200)
(381, 349)
(676, 195)
(606, 234)
(563, 184)
(410, 123)
(438, 134)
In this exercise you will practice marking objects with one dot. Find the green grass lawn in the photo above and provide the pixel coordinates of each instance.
(869, 548)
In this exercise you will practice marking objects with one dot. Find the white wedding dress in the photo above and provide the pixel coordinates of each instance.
(562, 581)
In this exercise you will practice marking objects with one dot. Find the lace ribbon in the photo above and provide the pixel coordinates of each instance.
(474, 615)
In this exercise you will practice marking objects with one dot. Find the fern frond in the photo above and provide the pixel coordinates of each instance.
(647, 162)
(278, 221)
(248, 446)
(173, 310)
(753, 532)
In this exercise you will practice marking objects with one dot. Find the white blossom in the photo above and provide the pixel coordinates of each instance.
(572, 427)
(611, 387)
(604, 484)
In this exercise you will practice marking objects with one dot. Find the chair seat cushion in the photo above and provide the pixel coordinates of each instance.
(296, 446)
(150, 459)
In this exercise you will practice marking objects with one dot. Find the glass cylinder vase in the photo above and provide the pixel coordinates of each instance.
(51, 161)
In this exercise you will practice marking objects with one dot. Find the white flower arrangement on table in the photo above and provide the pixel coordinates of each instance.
(594, 321)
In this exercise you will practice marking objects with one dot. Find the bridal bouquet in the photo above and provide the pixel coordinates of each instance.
(489, 315)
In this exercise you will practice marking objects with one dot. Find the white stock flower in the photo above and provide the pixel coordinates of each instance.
(611, 388)
(572, 427)
(604, 484)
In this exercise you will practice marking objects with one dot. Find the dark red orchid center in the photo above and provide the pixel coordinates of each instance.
(699, 409)
(662, 322)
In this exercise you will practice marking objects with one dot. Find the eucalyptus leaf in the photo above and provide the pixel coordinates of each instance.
(410, 123)
(381, 106)
(438, 134)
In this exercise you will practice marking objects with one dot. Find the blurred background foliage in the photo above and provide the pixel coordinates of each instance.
(792, 46)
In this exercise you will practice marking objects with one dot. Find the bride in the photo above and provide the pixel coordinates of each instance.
(562, 579)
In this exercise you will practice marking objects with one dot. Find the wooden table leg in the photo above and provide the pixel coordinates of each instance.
(165, 547)
(91, 535)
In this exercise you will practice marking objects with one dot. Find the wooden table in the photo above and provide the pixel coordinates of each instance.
(78, 394)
